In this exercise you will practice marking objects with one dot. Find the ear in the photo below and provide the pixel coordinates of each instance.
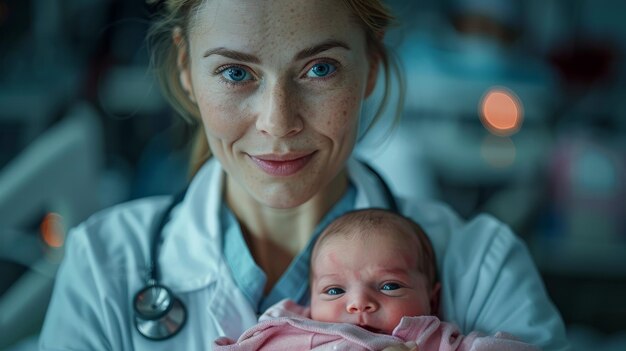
(372, 75)
(182, 61)
(435, 293)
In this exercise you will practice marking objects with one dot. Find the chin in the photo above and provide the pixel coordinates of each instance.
(283, 198)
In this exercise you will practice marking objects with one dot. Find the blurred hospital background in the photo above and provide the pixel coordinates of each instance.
(513, 107)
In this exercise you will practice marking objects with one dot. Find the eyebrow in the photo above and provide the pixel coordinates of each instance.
(394, 271)
(307, 52)
(232, 54)
(324, 46)
(325, 276)
(398, 272)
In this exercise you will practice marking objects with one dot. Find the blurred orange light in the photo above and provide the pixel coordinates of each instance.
(501, 112)
(52, 232)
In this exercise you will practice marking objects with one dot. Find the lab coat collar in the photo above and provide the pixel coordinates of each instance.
(191, 255)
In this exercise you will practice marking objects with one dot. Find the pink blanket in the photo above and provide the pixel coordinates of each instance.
(287, 326)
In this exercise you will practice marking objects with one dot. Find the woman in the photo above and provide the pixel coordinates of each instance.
(278, 87)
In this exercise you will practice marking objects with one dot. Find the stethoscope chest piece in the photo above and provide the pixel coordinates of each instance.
(158, 313)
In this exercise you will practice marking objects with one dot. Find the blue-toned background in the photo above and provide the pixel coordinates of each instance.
(513, 107)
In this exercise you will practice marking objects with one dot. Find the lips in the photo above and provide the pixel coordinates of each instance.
(282, 165)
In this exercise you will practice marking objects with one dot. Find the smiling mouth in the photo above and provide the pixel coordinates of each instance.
(281, 166)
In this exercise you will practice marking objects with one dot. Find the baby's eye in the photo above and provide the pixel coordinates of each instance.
(390, 286)
(236, 74)
(320, 70)
(334, 291)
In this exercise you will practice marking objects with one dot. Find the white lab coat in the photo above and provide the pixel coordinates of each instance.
(489, 282)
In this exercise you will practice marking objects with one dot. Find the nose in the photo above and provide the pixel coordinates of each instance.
(362, 303)
(279, 115)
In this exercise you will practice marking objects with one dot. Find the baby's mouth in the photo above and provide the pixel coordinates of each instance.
(372, 329)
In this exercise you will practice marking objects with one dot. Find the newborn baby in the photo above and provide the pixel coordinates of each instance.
(373, 284)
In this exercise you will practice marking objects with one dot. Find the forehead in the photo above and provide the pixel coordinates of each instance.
(395, 243)
(363, 260)
(255, 25)
(388, 230)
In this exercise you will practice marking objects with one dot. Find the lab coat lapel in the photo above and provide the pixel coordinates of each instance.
(191, 251)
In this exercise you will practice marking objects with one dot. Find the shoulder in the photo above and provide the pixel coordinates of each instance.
(121, 230)
(135, 212)
(104, 263)
(449, 232)
(488, 278)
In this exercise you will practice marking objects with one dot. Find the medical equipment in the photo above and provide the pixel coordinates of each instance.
(159, 314)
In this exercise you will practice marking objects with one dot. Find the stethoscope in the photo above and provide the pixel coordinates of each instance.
(159, 313)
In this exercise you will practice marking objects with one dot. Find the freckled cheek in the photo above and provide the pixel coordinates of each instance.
(223, 118)
(337, 115)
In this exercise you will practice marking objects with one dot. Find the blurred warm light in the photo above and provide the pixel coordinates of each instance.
(501, 112)
(498, 152)
(52, 231)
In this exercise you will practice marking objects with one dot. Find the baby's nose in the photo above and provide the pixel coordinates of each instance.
(362, 304)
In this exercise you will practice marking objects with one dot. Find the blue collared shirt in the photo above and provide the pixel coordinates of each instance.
(250, 278)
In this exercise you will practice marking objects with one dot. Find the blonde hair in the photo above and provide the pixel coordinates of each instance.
(373, 15)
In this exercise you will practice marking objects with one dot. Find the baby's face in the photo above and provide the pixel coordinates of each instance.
(371, 282)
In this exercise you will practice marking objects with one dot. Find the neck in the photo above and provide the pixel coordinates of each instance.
(276, 235)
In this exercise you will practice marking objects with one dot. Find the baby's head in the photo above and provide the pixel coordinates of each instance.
(370, 268)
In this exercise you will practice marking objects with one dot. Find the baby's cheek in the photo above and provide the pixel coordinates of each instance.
(395, 315)
(326, 311)
(416, 307)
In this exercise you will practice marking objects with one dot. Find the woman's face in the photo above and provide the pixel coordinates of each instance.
(279, 85)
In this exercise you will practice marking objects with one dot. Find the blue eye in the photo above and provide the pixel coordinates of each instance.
(390, 286)
(334, 291)
(320, 70)
(236, 74)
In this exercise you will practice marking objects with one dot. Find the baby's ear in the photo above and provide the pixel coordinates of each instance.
(435, 293)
